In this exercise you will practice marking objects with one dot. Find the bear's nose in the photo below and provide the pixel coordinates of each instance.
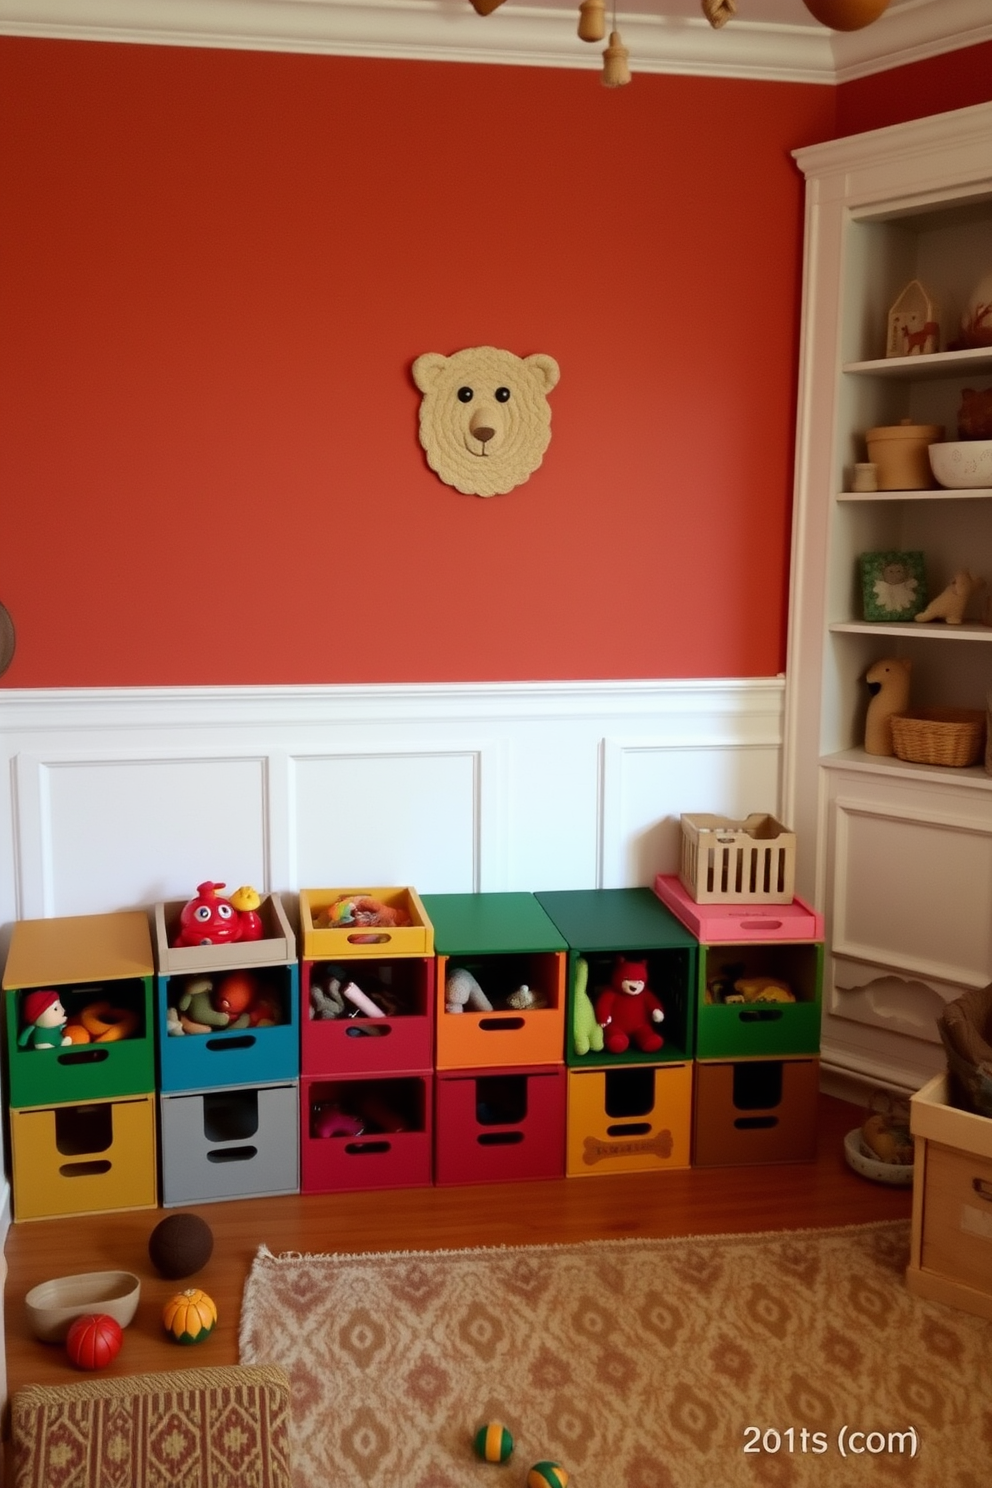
(482, 434)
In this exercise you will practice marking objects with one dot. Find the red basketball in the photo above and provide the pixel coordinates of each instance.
(94, 1340)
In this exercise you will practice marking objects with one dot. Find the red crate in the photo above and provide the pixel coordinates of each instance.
(364, 1046)
(394, 1150)
(500, 1125)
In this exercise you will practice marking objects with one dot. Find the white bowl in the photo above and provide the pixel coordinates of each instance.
(53, 1306)
(962, 464)
(899, 1175)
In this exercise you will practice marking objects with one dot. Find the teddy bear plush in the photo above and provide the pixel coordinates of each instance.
(628, 1010)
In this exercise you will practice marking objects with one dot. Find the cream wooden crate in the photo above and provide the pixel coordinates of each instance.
(738, 862)
(951, 1254)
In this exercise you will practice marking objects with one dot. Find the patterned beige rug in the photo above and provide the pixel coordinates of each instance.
(784, 1360)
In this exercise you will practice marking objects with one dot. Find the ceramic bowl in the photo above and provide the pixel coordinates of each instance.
(899, 1175)
(962, 464)
(54, 1305)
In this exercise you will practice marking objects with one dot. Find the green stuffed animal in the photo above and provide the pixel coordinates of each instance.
(586, 1032)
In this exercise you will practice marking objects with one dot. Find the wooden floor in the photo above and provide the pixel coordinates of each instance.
(695, 1201)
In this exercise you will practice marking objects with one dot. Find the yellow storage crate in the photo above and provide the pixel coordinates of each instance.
(631, 1118)
(84, 1159)
(342, 942)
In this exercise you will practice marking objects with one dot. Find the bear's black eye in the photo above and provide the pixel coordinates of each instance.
(465, 395)
(502, 395)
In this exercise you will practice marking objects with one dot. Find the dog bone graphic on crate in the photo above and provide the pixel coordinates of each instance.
(738, 862)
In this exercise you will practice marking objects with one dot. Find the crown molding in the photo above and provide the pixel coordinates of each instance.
(541, 36)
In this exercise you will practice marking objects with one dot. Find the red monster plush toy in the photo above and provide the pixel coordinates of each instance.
(628, 1009)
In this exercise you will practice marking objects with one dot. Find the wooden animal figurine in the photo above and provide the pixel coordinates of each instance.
(951, 603)
(888, 683)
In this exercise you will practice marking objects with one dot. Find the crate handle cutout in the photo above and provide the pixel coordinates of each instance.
(364, 1149)
(629, 1129)
(85, 1169)
(983, 1189)
(630, 1092)
(368, 939)
(233, 1154)
(243, 1041)
(761, 924)
(755, 1123)
(84, 1056)
(760, 1015)
(500, 1139)
(230, 1117)
(374, 1030)
(758, 1087)
(495, 1025)
(83, 1129)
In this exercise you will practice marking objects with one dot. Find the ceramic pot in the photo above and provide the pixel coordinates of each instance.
(846, 15)
(900, 453)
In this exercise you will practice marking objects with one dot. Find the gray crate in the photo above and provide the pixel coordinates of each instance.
(230, 1143)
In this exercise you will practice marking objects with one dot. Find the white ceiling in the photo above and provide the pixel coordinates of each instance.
(775, 39)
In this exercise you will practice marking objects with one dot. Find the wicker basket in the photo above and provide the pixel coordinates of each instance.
(939, 736)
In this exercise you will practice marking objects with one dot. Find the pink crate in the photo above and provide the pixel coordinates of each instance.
(720, 924)
(500, 1125)
(379, 1157)
(365, 1046)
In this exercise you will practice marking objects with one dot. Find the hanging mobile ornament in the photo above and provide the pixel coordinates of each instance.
(592, 20)
(616, 72)
(719, 12)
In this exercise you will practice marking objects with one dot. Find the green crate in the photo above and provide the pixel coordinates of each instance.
(86, 959)
(599, 925)
(760, 1029)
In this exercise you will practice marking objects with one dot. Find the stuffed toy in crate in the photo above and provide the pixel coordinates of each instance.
(965, 1028)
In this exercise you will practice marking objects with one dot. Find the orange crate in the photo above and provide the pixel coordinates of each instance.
(470, 1040)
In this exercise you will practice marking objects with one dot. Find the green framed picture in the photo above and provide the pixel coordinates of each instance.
(893, 585)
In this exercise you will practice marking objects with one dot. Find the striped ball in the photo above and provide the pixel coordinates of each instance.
(547, 1475)
(493, 1443)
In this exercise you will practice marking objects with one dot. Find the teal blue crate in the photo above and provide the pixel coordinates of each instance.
(236, 1056)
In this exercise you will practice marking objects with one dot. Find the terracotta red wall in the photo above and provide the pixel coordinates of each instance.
(215, 270)
(951, 81)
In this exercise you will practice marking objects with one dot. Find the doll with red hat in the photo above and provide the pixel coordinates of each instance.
(44, 1021)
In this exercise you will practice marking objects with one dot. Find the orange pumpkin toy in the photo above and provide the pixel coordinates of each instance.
(189, 1316)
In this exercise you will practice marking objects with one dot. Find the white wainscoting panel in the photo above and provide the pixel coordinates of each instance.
(124, 797)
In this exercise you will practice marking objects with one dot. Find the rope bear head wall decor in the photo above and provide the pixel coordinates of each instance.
(485, 419)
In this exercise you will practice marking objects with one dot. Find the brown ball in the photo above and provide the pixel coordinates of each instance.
(180, 1245)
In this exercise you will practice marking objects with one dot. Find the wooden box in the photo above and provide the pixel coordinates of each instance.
(745, 862)
(951, 1254)
(276, 947)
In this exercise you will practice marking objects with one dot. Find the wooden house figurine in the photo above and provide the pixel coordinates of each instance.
(913, 328)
